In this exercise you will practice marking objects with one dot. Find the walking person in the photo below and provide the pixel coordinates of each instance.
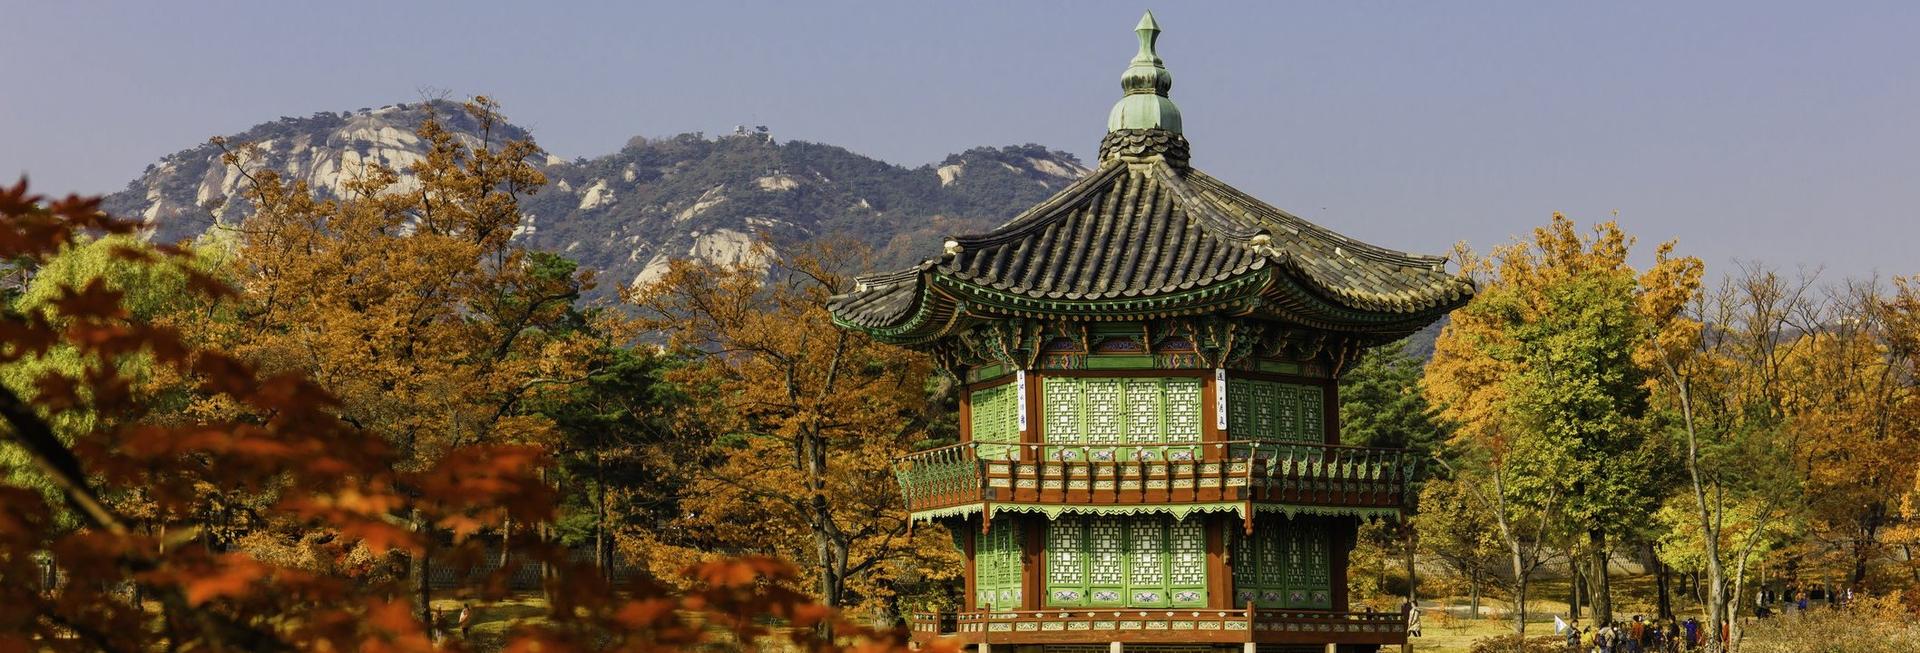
(465, 623)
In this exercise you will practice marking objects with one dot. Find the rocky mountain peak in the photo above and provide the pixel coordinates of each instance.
(630, 212)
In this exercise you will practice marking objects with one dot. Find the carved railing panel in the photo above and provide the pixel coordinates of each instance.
(1282, 472)
(1161, 625)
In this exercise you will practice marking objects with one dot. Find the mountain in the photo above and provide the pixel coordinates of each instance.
(626, 214)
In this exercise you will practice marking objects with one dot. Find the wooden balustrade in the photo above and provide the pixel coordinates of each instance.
(1160, 625)
(1283, 472)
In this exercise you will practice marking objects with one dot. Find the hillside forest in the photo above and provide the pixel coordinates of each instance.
(314, 427)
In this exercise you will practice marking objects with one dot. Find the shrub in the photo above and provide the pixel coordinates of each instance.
(1513, 644)
(1832, 631)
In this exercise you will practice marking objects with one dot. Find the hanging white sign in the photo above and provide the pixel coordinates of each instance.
(1020, 393)
(1220, 398)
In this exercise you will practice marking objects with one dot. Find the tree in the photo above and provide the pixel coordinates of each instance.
(1722, 361)
(412, 304)
(1381, 406)
(1455, 531)
(804, 418)
(148, 293)
(286, 442)
(1852, 394)
(1542, 362)
(617, 446)
(283, 446)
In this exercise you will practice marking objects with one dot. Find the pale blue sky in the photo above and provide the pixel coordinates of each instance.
(1784, 133)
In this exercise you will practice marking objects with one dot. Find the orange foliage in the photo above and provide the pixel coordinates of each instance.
(283, 451)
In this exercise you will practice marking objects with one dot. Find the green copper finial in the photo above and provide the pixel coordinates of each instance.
(1146, 82)
(1148, 31)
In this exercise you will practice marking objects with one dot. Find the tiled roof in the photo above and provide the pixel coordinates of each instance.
(1149, 227)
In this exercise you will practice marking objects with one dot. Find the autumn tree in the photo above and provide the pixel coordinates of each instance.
(281, 443)
(804, 419)
(1542, 362)
(1457, 533)
(408, 299)
(1723, 362)
(1852, 395)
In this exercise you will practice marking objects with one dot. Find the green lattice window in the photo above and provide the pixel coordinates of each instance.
(994, 416)
(1107, 419)
(1136, 561)
(1284, 564)
(1268, 410)
(996, 565)
(1067, 561)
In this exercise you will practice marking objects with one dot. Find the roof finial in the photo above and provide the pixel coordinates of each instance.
(1146, 82)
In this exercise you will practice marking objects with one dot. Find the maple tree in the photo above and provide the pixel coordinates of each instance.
(804, 420)
(272, 443)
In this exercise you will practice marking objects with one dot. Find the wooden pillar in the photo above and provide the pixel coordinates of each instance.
(966, 413)
(1330, 410)
(1345, 532)
(970, 545)
(1033, 557)
(1219, 574)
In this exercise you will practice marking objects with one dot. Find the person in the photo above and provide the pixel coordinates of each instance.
(1573, 636)
(466, 621)
(1413, 620)
(1639, 630)
(1673, 636)
(1693, 632)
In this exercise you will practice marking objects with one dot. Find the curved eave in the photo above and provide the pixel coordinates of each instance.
(943, 302)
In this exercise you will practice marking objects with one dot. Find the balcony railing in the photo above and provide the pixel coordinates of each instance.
(1282, 472)
(1234, 625)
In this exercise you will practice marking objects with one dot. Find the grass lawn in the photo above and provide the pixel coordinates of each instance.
(492, 620)
(1447, 626)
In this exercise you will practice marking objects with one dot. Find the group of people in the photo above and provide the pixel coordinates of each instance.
(1637, 636)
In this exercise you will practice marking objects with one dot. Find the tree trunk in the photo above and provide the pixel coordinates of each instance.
(421, 568)
(1413, 592)
(506, 542)
(602, 544)
(1473, 596)
(1573, 585)
(830, 544)
(1662, 582)
(1602, 604)
(1520, 605)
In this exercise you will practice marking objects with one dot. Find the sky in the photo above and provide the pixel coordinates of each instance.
(1780, 134)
